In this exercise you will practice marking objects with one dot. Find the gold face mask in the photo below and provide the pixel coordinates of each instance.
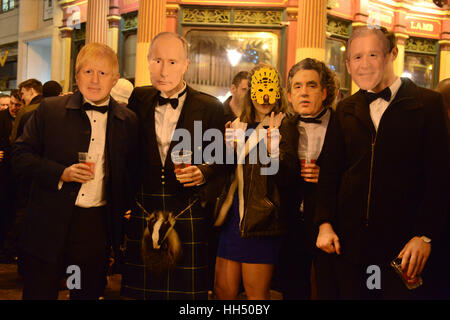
(265, 82)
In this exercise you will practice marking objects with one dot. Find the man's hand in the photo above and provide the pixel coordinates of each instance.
(310, 172)
(78, 172)
(2, 155)
(327, 240)
(415, 254)
(190, 176)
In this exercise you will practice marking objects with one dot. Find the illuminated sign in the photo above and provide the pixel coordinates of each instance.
(422, 26)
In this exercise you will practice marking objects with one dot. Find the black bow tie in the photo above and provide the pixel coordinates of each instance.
(173, 102)
(87, 106)
(384, 94)
(313, 120)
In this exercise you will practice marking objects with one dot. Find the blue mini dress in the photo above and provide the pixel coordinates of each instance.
(261, 250)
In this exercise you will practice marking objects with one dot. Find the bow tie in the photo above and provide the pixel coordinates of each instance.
(173, 102)
(87, 106)
(384, 94)
(313, 120)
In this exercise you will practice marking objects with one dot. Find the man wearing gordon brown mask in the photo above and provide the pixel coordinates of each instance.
(384, 177)
(170, 104)
(311, 90)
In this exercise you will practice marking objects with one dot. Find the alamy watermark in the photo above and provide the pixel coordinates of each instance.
(74, 279)
(374, 280)
(236, 150)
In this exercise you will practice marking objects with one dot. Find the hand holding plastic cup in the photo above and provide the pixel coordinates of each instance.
(181, 159)
(89, 160)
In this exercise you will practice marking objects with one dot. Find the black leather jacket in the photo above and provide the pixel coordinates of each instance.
(262, 214)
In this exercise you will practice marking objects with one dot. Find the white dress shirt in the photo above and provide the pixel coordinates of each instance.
(379, 106)
(166, 119)
(312, 136)
(92, 193)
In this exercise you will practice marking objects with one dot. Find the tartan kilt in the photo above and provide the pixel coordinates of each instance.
(189, 279)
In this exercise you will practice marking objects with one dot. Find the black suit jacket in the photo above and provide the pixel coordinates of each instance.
(198, 107)
(52, 138)
(302, 227)
(375, 215)
(5, 146)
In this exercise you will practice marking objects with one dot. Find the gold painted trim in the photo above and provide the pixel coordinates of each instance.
(233, 2)
(114, 18)
(70, 3)
(173, 6)
(66, 29)
(401, 35)
(292, 12)
(444, 42)
(172, 9)
(358, 24)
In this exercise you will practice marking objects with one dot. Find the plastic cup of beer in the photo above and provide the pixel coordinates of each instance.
(89, 160)
(181, 159)
(305, 161)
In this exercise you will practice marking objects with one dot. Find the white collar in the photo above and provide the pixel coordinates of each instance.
(104, 104)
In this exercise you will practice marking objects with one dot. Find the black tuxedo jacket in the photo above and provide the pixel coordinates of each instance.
(52, 138)
(198, 107)
(303, 229)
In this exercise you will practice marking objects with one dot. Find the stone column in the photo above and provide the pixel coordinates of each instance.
(399, 63)
(113, 25)
(96, 22)
(444, 59)
(312, 22)
(151, 21)
(444, 47)
(66, 50)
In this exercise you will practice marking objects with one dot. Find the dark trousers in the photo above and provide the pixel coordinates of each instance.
(325, 276)
(295, 275)
(86, 247)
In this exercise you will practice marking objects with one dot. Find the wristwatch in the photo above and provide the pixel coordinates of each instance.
(425, 239)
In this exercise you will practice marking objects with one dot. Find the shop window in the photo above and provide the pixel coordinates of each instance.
(335, 60)
(129, 56)
(420, 69)
(217, 55)
(7, 5)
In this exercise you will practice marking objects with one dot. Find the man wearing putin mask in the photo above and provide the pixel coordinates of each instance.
(383, 183)
(166, 253)
(75, 210)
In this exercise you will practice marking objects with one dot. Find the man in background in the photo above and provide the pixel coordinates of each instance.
(7, 182)
(232, 107)
(31, 91)
(4, 101)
